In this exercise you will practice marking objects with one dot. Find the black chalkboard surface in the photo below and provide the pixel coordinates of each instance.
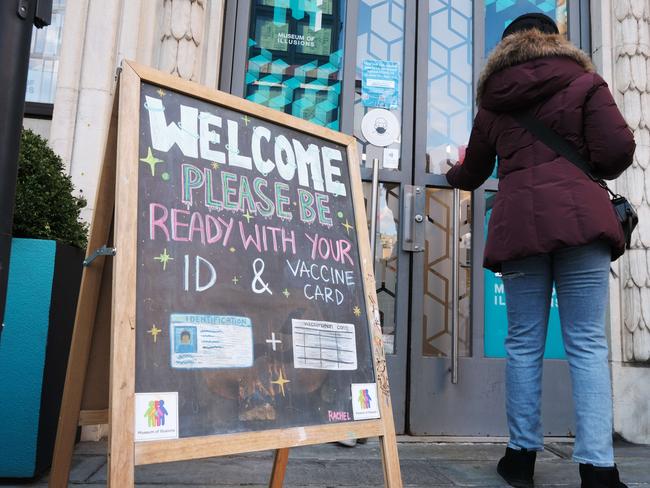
(251, 310)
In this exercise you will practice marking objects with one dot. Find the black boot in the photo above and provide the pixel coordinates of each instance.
(518, 467)
(594, 477)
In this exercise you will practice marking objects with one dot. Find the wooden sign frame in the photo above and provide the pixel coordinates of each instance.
(119, 183)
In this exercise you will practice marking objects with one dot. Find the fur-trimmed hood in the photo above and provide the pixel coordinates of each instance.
(526, 46)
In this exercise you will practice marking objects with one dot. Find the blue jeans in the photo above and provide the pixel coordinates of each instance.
(581, 277)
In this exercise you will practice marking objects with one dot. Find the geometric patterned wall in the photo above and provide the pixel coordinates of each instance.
(301, 80)
(273, 83)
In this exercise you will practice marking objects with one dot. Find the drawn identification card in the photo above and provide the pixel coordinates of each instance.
(156, 416)
(210, 341)
(324, 345)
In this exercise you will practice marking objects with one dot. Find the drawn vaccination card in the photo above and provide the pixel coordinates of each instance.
(210, 341)
(324, 345)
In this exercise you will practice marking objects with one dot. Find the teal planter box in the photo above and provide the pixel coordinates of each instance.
(44, 278)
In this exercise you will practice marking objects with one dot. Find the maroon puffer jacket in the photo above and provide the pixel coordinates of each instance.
(544, 202)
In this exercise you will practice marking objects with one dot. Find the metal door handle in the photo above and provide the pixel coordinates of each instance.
(413, 203)
(373, 209)
(455, 315)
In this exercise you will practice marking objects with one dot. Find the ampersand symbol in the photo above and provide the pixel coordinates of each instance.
(258, 286)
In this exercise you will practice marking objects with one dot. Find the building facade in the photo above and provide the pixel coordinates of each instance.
(400, 76)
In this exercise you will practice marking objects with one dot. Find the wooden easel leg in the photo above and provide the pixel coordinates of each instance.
(279, 468)
(121, 410)
(85, 317)
(390, 460)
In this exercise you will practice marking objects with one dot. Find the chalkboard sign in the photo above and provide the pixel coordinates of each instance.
(240, 298)
(250, 298)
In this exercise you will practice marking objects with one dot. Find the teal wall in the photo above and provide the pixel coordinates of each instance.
(496, 322)
(496, 319)
(22, 353)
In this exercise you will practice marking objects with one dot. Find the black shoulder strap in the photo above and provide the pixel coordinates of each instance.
(553, 140)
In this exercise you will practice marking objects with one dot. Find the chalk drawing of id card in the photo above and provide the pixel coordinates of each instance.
(210, 341)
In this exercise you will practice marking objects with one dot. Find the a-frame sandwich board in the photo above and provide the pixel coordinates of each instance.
(284, 397)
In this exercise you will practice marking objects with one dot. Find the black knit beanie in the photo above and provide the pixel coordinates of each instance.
(537, 21)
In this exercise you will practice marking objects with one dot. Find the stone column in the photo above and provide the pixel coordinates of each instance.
(182, 33)
(631, 372)
(182, 37)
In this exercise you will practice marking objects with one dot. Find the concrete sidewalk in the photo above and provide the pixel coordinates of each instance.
(424, 464)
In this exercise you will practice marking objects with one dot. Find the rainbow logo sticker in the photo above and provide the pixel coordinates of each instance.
(364, 401)
(156, 416)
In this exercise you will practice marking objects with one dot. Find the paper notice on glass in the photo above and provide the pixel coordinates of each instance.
(380, 84)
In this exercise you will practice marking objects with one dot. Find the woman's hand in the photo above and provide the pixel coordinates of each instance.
(461, 153)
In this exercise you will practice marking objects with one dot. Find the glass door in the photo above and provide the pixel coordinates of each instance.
(383, 125)
(340, 64)
(400, 75)
(457, 358)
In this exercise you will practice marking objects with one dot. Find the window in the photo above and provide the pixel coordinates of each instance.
(44, 65)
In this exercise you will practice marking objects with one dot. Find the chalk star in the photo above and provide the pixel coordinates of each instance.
(154, 331)
(246, 119)
(248, 217)
(232, 249)
(152, 161)
(235, 280)
(286, 293)
(164, 258)
(215, 165)
(356, 311)
(281, 381)
(161, 92)
(347, 226)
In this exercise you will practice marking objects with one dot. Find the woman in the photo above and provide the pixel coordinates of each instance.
(550, 225)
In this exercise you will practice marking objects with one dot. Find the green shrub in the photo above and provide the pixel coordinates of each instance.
(45, 206)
